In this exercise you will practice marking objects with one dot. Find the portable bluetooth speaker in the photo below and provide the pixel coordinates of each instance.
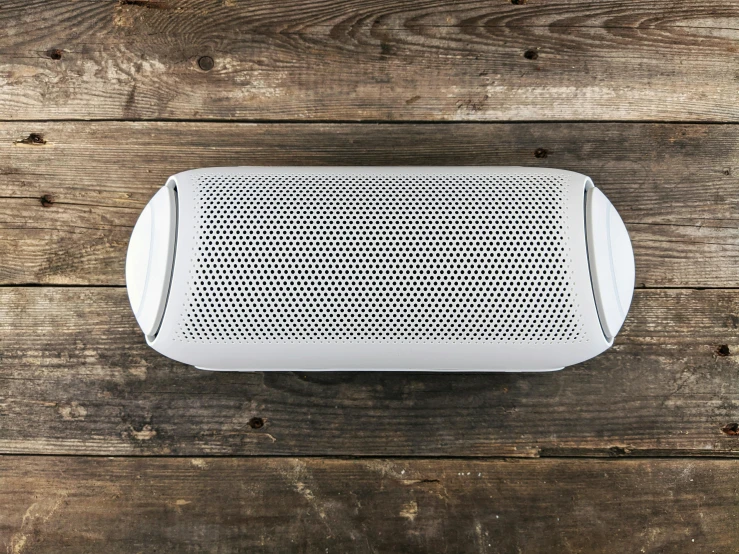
(380, 268)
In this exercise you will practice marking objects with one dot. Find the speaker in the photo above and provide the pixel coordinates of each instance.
(380, 268)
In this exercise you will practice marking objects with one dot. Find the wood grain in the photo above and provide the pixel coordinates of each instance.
(70, 199)
(369, 60)
(98, 432)
(78, 378)
(90, 505)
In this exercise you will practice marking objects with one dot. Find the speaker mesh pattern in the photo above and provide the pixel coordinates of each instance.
(316, 257)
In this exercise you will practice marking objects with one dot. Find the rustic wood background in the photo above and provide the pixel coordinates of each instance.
(109, 447)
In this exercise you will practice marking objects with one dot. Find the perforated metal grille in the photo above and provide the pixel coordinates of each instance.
(372, 258)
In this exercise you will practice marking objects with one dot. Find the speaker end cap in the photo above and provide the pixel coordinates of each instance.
(611, 260)
(150, 258)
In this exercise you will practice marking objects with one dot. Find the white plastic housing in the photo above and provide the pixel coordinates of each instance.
(380, 268)
(149, 260)
(611, 262)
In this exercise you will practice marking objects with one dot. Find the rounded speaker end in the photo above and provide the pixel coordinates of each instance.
(611, 259)
(150, 258)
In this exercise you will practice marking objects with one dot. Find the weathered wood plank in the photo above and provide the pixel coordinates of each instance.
(69, 203)
(79, 379)
(368, 60)
(81, 505)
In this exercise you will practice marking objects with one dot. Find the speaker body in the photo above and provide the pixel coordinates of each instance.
(380, 268)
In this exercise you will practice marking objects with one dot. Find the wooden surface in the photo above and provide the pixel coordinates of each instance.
(79, 379)
(70, 202)
(122, 505)
(106, 446)
(370, 59)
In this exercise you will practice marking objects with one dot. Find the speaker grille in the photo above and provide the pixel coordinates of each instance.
(357, 258)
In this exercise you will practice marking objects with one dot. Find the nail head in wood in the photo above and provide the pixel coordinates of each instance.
(205, 63)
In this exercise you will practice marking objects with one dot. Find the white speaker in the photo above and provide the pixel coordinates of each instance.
(380, 268)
